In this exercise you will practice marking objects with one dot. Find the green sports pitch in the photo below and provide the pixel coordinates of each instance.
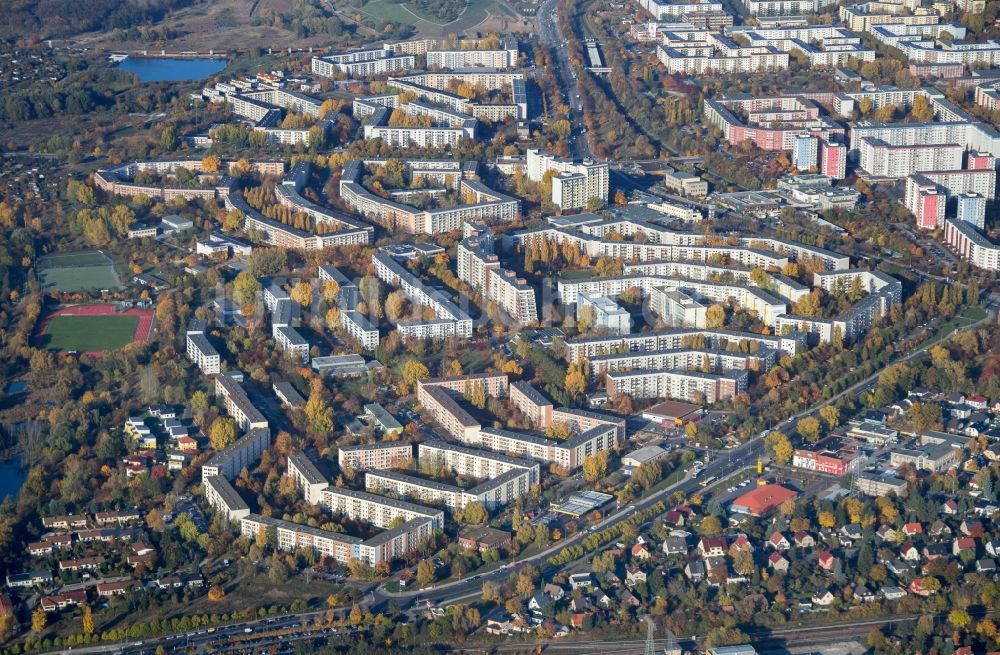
(86, 270)
(89, 333)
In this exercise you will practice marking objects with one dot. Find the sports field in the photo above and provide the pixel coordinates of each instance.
(89, 333)
(84, 270)
(93, 328)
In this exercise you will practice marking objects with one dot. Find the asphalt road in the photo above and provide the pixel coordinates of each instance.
(548, 32)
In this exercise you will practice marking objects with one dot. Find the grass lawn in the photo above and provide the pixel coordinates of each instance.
(79, 258)
(85, 270)
(476, 12)
(969, 316)
(89, 333)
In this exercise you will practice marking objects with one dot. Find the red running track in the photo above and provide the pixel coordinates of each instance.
(142, 330)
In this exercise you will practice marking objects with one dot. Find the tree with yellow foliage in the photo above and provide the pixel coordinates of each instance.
(223, 432)
(575, 382)
(88, 620)
(302, 294)
(216, 593)
(330, 291)
(38, 619)
(595, 466)
(830, 416)
(781, 446)
(827, 519)
(211, 164)
(414, 370)
(715, 316)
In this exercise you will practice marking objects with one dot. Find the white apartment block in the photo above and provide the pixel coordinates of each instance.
(671, 250)
(785, 7)
(446, 412)
(971, 245)
(474, 463)
(823, 45)
(717, 53)
(505, 57)
(971, 208)
(238, 404)
(675, 10)
(200, 350)
(494, 385)
(568, 454)
(292, 343)
(377, 510)
(329, 66)
(485, 204)
(307, 477)
(376, 456)
(242, 453)
(492, 493)
(685, 359)
(342, 548)
(880, 159)
(223, 498)
(579, 181)
(677, 308)
(689, 386)
(451, 321)
(359, 328)
(423, 137)
(603, 313)
(754, 299)
(582, 348)
(482, 271)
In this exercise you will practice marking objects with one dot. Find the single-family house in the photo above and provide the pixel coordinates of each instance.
(823, 597)
(804, 540)
(695, 571)
(712, 546)
(892, 593)
(777, 562)
(634, 575)
(675, 546)
(778, 541)
(963, 545)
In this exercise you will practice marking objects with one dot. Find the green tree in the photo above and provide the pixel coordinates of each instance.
(710, 526)
(474, 514)
(959, 618)
(425, 572)
(246, 288)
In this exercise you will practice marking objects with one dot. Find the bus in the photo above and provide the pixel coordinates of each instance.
(708, 481)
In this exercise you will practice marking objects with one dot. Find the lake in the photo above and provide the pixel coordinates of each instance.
(11, 478)
(165, 69)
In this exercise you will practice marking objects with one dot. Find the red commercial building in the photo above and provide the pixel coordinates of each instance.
(762, 500)
(831, 456)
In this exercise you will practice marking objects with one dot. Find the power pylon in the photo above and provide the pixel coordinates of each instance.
(650, 626)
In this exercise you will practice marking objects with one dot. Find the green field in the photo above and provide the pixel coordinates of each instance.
(89, 333)
(475, 13)
(77, 271)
